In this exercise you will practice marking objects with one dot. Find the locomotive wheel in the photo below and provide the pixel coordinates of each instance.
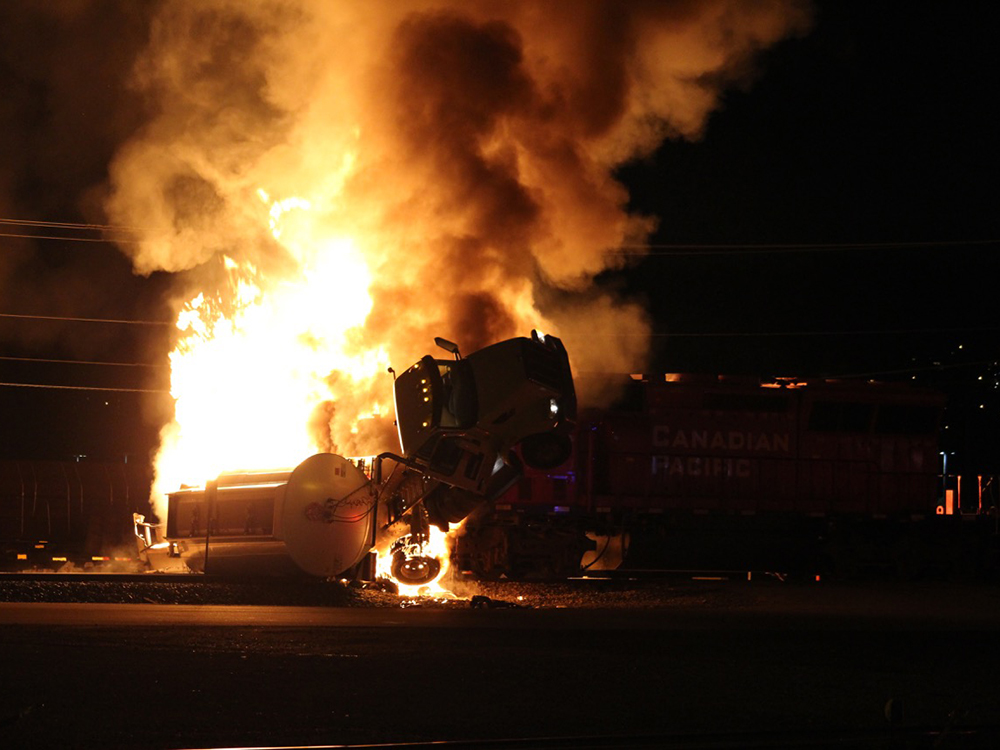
(416, 570)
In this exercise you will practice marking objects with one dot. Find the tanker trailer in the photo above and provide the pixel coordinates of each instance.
(315, 519)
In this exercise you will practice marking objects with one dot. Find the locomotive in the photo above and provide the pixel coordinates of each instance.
(813, 477)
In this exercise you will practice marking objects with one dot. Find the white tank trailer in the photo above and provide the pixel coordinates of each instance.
(317, 519)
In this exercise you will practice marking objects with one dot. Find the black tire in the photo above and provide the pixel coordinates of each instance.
(415, 571)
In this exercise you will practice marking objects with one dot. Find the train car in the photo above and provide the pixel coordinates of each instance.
(691, 472)
(70, 514)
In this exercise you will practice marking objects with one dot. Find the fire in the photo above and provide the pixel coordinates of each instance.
(435, 547)
(248, 371)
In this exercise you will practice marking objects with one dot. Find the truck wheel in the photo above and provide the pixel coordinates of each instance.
(414, 570)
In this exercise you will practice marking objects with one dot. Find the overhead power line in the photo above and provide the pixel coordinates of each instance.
(761, 334)
(679, 334)
(73, 231)
(913, 370)
(67, 225)
(87, 320)
(83, 388)
(79, 362)
(63, 238)
(653, 249)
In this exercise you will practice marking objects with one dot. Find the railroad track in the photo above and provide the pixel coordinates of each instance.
(582, 580)
(57, 577)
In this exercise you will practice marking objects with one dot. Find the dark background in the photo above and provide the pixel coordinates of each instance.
(875, 134)
(837, 219)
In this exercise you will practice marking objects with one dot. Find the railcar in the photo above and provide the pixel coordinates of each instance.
(688, 472)
(66, 514)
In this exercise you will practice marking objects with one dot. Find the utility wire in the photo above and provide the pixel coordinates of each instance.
(763, 334)
(29, 224)
(680, 248)
(912, 370)
(66, 225)
(64, 238)
(708, 334)
(87, 320)
(56, 224)
(651, 250)
(79, 362)
(83, 388)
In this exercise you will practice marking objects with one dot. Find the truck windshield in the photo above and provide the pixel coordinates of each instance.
(433, 395)
(458, 406)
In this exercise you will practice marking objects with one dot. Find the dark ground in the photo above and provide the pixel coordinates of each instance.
(727, 662)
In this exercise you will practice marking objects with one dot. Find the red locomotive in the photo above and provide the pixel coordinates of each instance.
(692, 472)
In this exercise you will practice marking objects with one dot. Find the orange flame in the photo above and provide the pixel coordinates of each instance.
(436, 546)
(246, 379)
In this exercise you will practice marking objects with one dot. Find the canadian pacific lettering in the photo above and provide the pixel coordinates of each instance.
(701, 466)
(732, 440)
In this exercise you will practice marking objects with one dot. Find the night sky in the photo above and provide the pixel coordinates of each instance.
(837, 218)
(876, 129)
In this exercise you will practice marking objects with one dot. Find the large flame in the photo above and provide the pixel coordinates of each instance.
(248, 373)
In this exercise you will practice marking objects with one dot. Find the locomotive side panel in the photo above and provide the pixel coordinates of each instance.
(870, 451)
(700, 472)
(818, 450)
(697, 450)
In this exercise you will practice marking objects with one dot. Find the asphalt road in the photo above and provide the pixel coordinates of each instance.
(800, 667)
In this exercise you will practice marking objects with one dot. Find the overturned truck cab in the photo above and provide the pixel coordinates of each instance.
(463, 424)
(460, 420)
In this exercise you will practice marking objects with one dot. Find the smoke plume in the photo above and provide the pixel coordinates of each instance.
(465, 150)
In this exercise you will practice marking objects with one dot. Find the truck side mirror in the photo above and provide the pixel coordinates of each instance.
(448, 346)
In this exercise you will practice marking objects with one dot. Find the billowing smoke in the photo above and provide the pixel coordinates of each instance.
(466, 149)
